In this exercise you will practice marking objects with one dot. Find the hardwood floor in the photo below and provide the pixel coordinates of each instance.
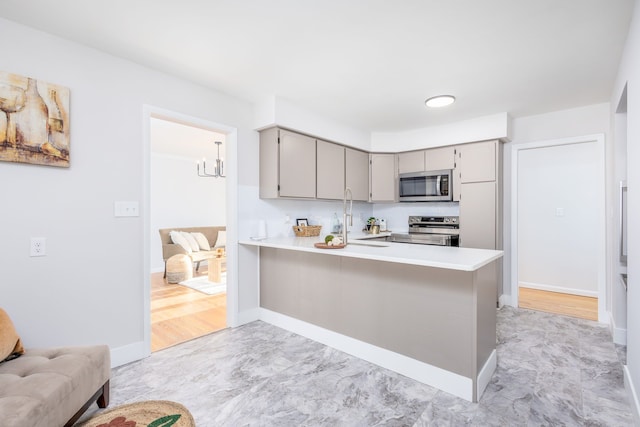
(559, 303)
(179, 314)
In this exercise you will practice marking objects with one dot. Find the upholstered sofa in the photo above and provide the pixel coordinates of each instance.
(50, 387)
(211, 233)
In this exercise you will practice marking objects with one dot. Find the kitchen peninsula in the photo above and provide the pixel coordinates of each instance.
(427, 312)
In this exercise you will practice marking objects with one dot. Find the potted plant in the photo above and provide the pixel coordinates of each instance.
(371, 222)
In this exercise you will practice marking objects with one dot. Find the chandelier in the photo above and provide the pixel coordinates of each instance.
(218, 169)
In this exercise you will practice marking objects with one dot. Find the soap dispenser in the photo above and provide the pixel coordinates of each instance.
(336, 224)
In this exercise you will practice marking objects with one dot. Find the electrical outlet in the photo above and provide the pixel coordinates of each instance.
(38, 246)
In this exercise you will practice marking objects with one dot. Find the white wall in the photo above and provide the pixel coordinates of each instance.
(558, 251)
(495, 126)
(589, 120)
(629, 74)
(89, 287)
(179, 197)
(282, 112)
(397, 214)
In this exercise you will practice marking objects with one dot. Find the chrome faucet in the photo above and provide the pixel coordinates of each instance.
(345, 214)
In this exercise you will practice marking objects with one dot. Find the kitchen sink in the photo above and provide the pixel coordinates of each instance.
(373, 245)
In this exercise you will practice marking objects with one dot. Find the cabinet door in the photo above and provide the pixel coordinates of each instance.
(330, 164)
(478, 215)
(439, 158)
(269, 176)
(383, 178)
(357, 173)
(297, 165)
(456, 174)
(412, 161)
(478, 161)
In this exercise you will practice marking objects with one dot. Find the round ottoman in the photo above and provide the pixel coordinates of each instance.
(179, 268)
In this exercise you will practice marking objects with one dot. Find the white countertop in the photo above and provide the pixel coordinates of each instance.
(452, 258)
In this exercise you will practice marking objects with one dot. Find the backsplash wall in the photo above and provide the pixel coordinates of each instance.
(397, 214)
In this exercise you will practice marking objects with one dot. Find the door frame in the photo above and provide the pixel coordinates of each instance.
(231, 154)
(601, 232)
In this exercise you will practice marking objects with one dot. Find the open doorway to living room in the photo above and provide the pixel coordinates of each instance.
(187, 220)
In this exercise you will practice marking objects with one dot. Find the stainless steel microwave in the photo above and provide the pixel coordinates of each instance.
(430, 186)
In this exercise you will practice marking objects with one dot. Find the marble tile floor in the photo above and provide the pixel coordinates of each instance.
(552, 371)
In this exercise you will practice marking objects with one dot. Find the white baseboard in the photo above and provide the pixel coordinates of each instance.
(552, 288)
(449, 382)
(128, 353)
(485, 374)
(248, 316)
(505, 300)
(619, 335)
(633, 396)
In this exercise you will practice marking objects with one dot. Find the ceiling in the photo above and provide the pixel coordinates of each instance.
(366, 63)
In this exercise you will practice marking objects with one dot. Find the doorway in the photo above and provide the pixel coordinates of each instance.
(558, 232)
(182, 196)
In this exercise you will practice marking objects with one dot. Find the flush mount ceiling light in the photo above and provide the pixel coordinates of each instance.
(440, 101)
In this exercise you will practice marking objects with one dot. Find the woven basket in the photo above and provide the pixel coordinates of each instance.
(307, 231)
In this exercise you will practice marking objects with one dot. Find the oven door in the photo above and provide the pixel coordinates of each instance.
(426, 239)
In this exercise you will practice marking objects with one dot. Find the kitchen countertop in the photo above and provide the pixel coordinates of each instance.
(447, 257)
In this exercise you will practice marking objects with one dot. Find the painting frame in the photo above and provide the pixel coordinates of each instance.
(34, 124)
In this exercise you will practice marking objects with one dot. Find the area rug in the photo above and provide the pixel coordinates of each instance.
(150, 413)
(202, 284)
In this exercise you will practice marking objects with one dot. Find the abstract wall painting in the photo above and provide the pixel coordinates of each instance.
(35, 125)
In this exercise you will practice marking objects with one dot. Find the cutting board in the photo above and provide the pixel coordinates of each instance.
(325, 246)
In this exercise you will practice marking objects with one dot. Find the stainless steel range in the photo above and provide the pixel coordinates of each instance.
(431, 230)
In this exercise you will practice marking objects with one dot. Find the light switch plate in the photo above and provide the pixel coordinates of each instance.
(122, 209)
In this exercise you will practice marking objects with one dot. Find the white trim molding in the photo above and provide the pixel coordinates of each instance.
(633, 397)
(603, 316)
(232, 209)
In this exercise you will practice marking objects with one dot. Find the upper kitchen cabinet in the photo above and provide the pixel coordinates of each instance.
(432, 159)
(287, 164)
(331, 170)
(440, 158)
(411, 161)
(477, 161)
(383, 178)
(357, 173)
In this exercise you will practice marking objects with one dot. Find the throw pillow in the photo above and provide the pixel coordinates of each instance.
(178, 239)
(10, 344)
(191, 240)
(222, 239)
(202, 241)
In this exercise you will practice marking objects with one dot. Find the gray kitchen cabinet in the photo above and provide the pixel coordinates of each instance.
(440, 158)
(411, 161)
(477, 161)
(383, 177)
(478, 215)
(287, 164)
(330, 163)
(357, 173)
(478, 172)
